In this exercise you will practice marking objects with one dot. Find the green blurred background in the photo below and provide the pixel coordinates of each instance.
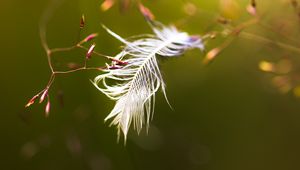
(226, 116)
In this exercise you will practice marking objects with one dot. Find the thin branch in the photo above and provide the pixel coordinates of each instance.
(251, 36)
(42, 31)
(80, 69)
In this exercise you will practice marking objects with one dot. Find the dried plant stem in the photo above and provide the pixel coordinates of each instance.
(237, 31)
(262, 39)
(268, 27)
(49, 52)
(55, 50)
(54, 72)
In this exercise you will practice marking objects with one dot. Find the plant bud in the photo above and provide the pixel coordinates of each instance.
(90, 51)
(32, 100)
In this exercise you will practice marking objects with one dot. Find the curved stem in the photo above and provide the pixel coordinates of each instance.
(266, 40)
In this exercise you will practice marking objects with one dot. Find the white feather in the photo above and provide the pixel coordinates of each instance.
(134, 85)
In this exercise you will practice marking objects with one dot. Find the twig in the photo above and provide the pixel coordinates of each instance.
(43, 23)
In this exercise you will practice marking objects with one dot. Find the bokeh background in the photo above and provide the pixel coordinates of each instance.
(227, 115)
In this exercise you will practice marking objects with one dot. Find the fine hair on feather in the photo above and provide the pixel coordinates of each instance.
(137, 81)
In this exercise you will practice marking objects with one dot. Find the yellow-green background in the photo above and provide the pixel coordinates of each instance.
(226, 116)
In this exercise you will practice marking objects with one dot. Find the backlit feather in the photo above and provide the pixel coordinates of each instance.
(133, 85)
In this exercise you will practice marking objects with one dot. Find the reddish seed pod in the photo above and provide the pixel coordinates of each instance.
(90, 51)
(90, 37)
(43, 96)
(146, 12)
(32, 100)
(211, 55)
(114, 67)
(82, 21)
(119, 62)
(47, 108)
(122, 63)
(107, 4)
